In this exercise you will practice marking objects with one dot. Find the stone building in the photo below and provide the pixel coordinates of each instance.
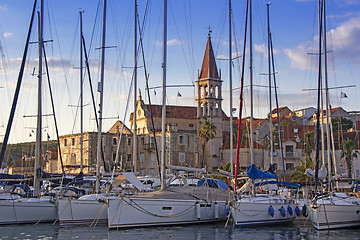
(71, 150)
(182, 124)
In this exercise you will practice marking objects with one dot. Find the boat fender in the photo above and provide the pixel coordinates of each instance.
(304, 211)
(271, 211)
(216, 208)
(290, 210)
(198, 213)
(282, 211)
(297, 211)
(227, 210)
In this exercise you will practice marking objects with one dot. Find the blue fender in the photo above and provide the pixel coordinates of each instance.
(290, 210)
(227, 210)
(304, 211)
(271, 211)
(282, 211)
(297, 211)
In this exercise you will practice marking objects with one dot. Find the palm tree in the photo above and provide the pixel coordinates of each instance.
(207, 132)
(308, 146)
(299, 174)
(349, 153)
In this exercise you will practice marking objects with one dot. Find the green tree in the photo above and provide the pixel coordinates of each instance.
(225, 167)
(308, 147)
(299, 171)
(207, 132)
(276, 140)
(349, 153)
(243, 136)
(308, 143)
(341, 124)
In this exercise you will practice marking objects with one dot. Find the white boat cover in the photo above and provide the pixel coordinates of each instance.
(130, 176)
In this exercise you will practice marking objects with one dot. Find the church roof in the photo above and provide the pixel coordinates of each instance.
(172, 111)
(209, 68)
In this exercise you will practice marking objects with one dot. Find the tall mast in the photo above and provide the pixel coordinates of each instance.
(251, 86)
(81, 97)
(270, 105)
(135, 89)
(163, 123)
(327, 101)
(39, 112)
(321, 96)
(101, 90)
(231, 98)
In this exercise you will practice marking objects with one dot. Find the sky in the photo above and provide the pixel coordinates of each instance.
(294, 28)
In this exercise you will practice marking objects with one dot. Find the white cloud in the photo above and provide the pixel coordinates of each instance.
(298, 56)
(169, 42)
(173, 42)
(342, 41)
(7, 34)
(263, 49)
(233, 56)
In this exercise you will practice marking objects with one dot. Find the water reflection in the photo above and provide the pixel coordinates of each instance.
(297, 231)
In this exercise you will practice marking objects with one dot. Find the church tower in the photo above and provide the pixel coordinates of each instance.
(209, 101)
(209, 86)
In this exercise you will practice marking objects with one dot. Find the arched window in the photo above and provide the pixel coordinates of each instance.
(217, 92)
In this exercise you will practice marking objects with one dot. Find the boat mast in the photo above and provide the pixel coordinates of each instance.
(327, 101)
(81, 96)
(270, 105)
(135, 89)
(321, 97)
(163, 123)
(318, 101)
(39, 111)
(231, 98)
(101, 90)
(251, 86)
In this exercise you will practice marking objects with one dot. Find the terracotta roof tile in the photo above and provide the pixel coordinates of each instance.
(209, 68)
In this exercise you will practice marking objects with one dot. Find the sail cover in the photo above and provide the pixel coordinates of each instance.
(255, 173)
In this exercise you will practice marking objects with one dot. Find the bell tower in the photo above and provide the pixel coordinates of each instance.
(209, 101)
(209, 86)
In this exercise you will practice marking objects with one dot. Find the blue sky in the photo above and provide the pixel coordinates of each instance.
(294, 31)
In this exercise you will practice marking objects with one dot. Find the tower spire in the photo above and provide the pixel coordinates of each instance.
(209, 68)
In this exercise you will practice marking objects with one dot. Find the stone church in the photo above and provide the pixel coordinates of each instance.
(183, 145)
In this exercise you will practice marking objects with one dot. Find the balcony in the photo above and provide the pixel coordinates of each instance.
(291, 154)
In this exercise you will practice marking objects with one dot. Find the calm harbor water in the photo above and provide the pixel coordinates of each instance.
(189, 232)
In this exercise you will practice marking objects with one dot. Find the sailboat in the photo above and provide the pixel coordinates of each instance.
(36, 209)
(169, 205)
(330, 210)
(272, 205)
(88, 208)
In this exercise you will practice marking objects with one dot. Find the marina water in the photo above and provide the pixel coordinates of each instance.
(188, 232)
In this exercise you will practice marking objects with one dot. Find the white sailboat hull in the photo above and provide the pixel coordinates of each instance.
(75, 211)
(339, 213)
(32, 210)
(133, 212)
(254, 211)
